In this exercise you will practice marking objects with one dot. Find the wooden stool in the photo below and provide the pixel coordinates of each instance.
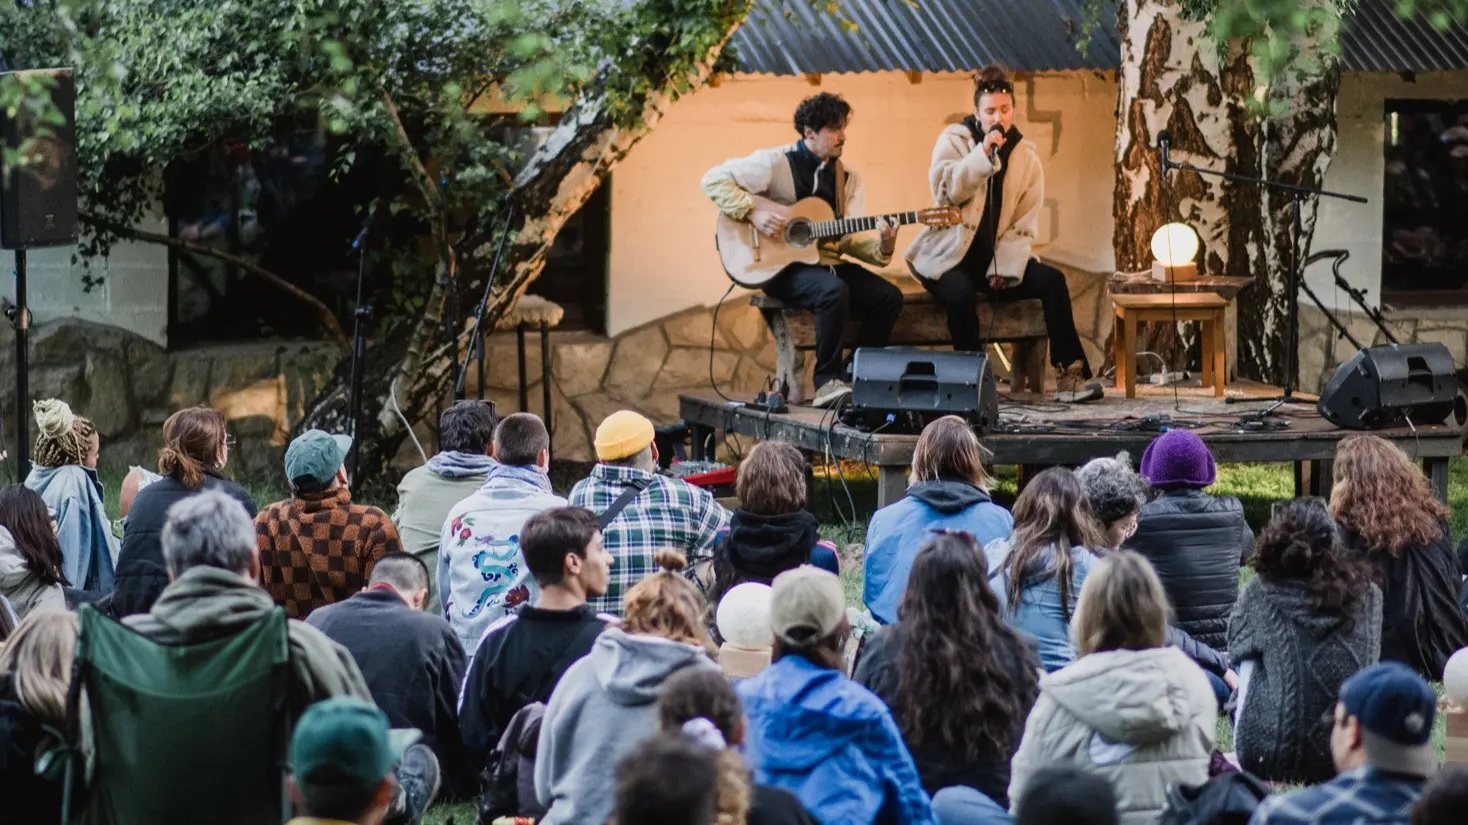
(1206, 308)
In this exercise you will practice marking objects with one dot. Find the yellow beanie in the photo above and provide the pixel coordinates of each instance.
(621, 434)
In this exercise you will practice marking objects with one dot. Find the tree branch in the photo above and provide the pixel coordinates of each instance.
(328, 319)
(426, 184)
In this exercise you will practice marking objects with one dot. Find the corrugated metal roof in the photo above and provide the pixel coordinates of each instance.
(791, 37)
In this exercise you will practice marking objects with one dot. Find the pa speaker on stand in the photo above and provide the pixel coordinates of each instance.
(38, 201)
(1391, 385)
(912, 387)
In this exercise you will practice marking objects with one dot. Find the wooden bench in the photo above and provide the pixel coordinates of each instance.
(922, 323)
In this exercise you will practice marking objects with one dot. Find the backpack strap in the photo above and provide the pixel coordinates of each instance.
(590, 631)
(610, 514)
(840, 173)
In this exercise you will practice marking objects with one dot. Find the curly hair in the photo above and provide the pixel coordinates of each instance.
(1302, 542)
(966, 679)
(668, 605)
(822, 111)
(694, 693)
(1382, 496)
(1114, 489)
(1050, 511)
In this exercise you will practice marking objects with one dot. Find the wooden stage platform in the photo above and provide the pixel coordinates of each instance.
(1035, 433)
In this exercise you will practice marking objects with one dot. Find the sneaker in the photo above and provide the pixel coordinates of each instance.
(830, 392)
(418, 776)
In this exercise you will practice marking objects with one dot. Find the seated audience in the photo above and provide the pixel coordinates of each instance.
(958, 680)
(771, 531)
(607, 701)
(1133, 710)
(64, 472)
(743, 618)
(1302, 626)
(30, 558)
(1381, 748)
(702, 705)
(35, 673)
(410, 659)
(317, 547)
(214, 563)
(8, 619)
(195, 451)
(482, 574)
(657, 512)
(1117, 493)
(1037, 572)
(347, 767)
(427, 493)
(1066, 795)
(949, 490)
(813, 731)
(666, 780)
(1444, 800)
(1195, 541)
(1391, 520)
(524, 655)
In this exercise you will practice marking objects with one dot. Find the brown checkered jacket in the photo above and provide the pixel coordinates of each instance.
(319, 548)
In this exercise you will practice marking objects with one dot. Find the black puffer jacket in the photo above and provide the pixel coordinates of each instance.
(141, 573)
(1196, 542)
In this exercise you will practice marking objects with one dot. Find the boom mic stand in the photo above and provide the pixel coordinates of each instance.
(1298, 195)
(476, 341)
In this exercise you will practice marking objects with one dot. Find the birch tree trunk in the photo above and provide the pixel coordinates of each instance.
(1174, 77)
(406, 374)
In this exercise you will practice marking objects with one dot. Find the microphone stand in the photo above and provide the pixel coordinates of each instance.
(361, 315)
(476, 341)
(1298, 195)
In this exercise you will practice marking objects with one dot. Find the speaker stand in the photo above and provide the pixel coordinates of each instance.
(20, 321)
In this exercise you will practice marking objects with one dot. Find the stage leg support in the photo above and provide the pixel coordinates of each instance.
(891, 483)
(1437, 473)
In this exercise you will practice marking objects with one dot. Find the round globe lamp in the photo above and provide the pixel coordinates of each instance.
(1174, 253)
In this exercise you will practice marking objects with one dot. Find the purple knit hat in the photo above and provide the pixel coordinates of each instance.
(1178, 458)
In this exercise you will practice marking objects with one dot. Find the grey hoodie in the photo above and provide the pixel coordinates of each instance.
(1143, 719)
(603, 705)
(21, 585)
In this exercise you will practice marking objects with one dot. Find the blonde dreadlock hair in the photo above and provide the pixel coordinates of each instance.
(63, 435)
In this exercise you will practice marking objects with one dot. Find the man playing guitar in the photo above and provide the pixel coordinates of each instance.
(758, 188)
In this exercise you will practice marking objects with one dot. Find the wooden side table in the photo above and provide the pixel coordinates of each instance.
(1204, 307)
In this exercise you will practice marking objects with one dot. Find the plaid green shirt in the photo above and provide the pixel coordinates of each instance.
(669, 513)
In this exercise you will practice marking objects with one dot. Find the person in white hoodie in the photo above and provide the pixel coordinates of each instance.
(1131, 709)
(606, 703)
(30, 556)
(482, 574)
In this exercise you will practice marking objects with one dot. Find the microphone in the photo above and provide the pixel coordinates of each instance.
(1164, 140)
(994, 150)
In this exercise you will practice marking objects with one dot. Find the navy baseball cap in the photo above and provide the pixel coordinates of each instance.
(1396, 709)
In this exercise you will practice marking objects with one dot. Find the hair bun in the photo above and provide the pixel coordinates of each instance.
(992, 74)
(670, 560)
(54, 418)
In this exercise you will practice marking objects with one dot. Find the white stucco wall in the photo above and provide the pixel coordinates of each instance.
(662, 257)
(133, 293)
(1359, 168)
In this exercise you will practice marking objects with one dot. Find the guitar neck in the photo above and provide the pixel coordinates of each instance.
(847, 226)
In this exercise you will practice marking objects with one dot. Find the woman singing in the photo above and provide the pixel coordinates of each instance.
(987, 168)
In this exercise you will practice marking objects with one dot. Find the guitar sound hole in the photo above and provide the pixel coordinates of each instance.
(798, 233)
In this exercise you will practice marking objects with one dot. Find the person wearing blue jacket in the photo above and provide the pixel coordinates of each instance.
(949, 491)
(816, 733)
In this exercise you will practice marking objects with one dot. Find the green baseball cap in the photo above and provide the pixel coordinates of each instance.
(346, 741)
(315, 456)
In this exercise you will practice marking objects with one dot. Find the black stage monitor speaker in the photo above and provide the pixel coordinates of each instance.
(38, 200)
(1388, 385)
(932, 384)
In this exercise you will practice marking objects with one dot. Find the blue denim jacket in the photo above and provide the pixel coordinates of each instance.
(1040, 615)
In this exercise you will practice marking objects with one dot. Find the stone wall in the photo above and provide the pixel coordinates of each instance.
(128, 385)
(1322, 349)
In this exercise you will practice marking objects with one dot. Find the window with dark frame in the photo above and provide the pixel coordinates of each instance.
(1425, 228)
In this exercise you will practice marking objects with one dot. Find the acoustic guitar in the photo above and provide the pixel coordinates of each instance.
(752, 259)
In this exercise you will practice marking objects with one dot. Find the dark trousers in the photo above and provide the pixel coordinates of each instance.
(832, 294)
(958, 292)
